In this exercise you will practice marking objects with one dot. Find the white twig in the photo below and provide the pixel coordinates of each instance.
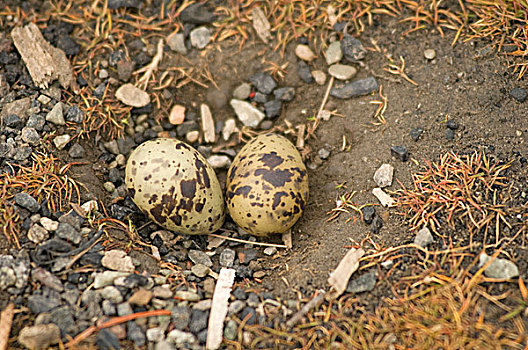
(151, 67)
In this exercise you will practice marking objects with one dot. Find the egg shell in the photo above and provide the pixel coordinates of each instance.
(173, 184)
(267, 186)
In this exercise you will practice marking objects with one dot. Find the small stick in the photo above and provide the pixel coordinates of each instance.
(244, 241)
(6, 321)
(319, 297)
(325, 98)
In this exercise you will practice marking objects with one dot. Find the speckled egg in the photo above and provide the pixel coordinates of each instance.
(267, 186)
(174, 185)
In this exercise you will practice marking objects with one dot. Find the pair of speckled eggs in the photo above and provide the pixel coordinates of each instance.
(172, 183)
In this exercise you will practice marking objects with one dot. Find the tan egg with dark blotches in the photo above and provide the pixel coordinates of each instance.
(267, 186)
(173, 184)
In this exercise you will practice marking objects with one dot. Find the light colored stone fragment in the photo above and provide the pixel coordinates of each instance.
(208, 125)
(177, 115)
(117, 260)
(247, 113)
(305, 53)
(133, 96)
(384, 198)
(383, 176)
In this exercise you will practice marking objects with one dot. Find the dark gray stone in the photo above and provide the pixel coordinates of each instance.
(284, 93)
(197, 14)
(75, 114)
(115, 4)
(22, 153)
(368, 214)
(12, 121)
(400, 152)
(259, 97)
(263, 82)
(519, 94)
(304, 72)
(249, 311)
(273, 108)
(69, 233)
(449, 134)
(416, 133)
(199, 257)
(135, 333)
(352, 48)
(181, 316)
(355, 88)
(38, 303)
(76, 151)
(63, 317)
(31, 136)
(376, 225)
(36, 122)
(26, 201)
(363, 283)
(452, 124)
(107, 340)
(199, 320)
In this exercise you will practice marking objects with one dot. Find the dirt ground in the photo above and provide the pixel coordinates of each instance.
(468, 83)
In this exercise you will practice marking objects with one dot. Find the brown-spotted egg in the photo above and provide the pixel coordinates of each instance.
(174, 185)
(267, 186)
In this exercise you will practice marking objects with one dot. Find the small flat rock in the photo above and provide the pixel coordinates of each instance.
(416, 133)
(162, 292)
(141, 297)
(56, 116)
(181, 315)
(208, 124)
(499, 268)
(200, 37)
(75, 114)
(333, 53)
(155, 334)
(384, 198)
(37, 234)
(363, 283)
(31, 136)
(41, 336)
(430, 54)
(200, 270)
(177, 115)
(68, 233)
(242, 91)
(179, 338)
(319, 77)
(227, 257)
(305, 53)
(192, 136)
(273, 108)
(176, 42)
(107, 340)
(19, 108)
(133, 96)
(26, 201)
(355, 88)
(61, 141)
(47, 278)
(76, 151)
(112, 294)
(219, 161)
(286, 93)
(352, 48)
(263, 82)
(400, 152)
(199, 257)
(304, 72)
(197, 13)
(369, 213)
(519, 94)
(247, 113)
(187, 295)
(117, 260)
(423, 237)
(342, 71)
(383, 176)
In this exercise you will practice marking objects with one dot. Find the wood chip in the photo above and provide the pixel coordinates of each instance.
(301, 129)
(44, 62)
(208, 125)
(6, 321)
(219, 305)
(261, 24)
(338, 279)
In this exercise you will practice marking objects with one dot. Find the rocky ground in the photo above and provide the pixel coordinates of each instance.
(415, 154)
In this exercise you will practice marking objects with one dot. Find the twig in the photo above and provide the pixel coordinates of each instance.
(6, 321)
(248, 242)
(319, 297)
(151, 67)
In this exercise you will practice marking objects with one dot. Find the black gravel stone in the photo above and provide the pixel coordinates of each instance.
(197, 14)
(99, 90)
(304, 72)
(249, 311)
(135, 333)
(519, 94)
(76, 151)
(26, 201)
(416, 133)
(36, 122)
(376, 225)
(451, 124)
(368, 214)
(68, 45)
(244, 272)
(259, 97)
(114, 175)
(63, 317)
(263, 82)
(273, 108)
(199, 320)
(119, 212)
(107, 340)
(355, 88)
(12, 121)
(284, 93)
(93, 259)
(352, 48)
(181, 316)
(134, 280)
(69, 233)
(56, 245)
(449, 134)
(400, 152)
(164, 250)
(77, 278)
(249, 255)
(74, 114)
(39, 303)
(202, 336)
(239, 294)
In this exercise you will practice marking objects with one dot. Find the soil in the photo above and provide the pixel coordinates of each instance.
(468, 83)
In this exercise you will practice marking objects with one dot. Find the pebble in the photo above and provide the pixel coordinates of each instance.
(36, 122)
(19, 108)
(242, 91)
(197, 13)
(133, 96)
(286, 93)
(229, 128)
(304, 72)
(519, 94)
(107, 278)
(416, 133)
(323, 153)
(125, 70)
(203, 305)
(208, 124)
(43, 99)
(369, 213)
(270, 251)
(363, 283)
(333, 53)
(452, 124)
(180, 317)
(384, 198)
(383, 176)
(63, 318)
(200, 270)
(249, 311)
(342, 71)
(187, 295)
(273, 108)
(112, 294)
(61, 141)
(376, 225)
(163, 345)
(230, 330)
(162, 292)
(355, 88)
(31, 136)
(135, 333)
(107, 340)
(400, 152)
(235, 307)
(180, 338)
(141, 297)
(192, 136)
(75, 114)
(198, 321)
(117, 260)
(37, 234)
(68, 233)
(12, 121)
(41, 336)
(430, 54)
(259, 97)
(423, 237)
(48, 224)
(155, 334)
(109, 187)
(305, 53)
(55, 116)
(247, 113)
(449, 134)
(176, 42)
(177, 115)
(103, 74)
(76, 151)
(200, 37)
(263, 82)
(499, 268)
(26, 201)
(319, 76)
(227, 257)
(47, 278)
(352, 48)
(219, 161)
(266, 124)
(124, 309)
